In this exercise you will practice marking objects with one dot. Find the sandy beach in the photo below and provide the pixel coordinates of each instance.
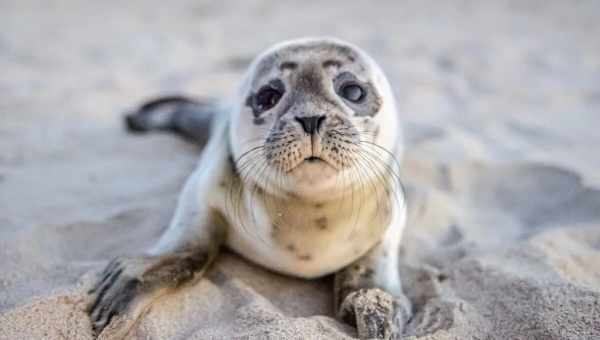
(501, 109)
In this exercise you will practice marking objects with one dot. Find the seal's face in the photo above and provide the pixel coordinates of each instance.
(314, 113)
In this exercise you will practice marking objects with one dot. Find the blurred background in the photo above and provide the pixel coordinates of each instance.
(501, 108)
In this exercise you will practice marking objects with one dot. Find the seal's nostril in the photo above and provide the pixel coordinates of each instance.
(320, 121)
(311, 124)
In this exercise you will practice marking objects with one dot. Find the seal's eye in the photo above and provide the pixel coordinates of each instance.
(352, 92)
(266, 98)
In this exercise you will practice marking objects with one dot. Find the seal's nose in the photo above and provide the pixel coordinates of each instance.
(311, 124)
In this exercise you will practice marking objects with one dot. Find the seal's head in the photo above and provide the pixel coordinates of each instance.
(314, 116)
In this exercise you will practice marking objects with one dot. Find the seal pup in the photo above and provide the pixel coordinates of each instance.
(299, 173)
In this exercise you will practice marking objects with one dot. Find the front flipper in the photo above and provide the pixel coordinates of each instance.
(128, 286)
(376, 313)
(368, 293)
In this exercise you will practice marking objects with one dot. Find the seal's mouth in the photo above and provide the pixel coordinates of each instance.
(312, 171)
(311, 163)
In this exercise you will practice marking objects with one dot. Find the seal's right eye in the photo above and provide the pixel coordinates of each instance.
(266, 99)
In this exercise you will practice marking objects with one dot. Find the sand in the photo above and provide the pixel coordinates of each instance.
(501, 103)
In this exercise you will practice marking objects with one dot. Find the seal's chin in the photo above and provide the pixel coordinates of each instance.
(312, 172)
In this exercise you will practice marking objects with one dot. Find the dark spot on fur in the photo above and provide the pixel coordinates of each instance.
(332, 63)
(288, 65)
(293, 195)
(321, 222)
(305, 257)
(258, 121)
(318, 205)
(442, 277)
(222, 184)
(291, 247)
(275, 231)
(334, 149)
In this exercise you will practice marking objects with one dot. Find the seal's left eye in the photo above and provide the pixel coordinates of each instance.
(352, 92)
(266, 99)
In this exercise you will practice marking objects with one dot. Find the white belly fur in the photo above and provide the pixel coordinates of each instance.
(308, 240)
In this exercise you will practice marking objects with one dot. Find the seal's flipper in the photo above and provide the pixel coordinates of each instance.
(182, 115)
(129, 286)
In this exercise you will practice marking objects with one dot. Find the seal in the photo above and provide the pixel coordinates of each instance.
(299, 173)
